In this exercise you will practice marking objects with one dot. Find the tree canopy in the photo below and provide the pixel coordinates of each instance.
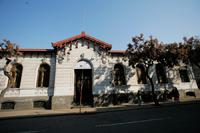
(149, 52)
(9, 49)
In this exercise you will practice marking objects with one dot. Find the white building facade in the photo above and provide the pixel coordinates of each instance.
(83, 69)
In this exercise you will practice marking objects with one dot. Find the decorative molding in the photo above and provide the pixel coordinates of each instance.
(82, 42)
(76, 44)
(88, 44)
(94, 46)
(44, 60)
(103, 58)
(82, 56)
(60, 55)
(70, 46)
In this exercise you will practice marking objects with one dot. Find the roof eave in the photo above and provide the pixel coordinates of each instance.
(82, 35)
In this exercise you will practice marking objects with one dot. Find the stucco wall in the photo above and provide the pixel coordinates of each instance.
(30, 63)
(62, 75)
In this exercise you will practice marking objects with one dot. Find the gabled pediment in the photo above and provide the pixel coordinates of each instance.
(83, 37)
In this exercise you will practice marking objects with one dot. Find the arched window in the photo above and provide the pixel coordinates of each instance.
(161, 73)
(141, 74)
(118, 75)
(16, 72)
(184, 74)
(43, 75)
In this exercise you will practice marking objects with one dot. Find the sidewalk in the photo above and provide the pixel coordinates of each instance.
(6, 114)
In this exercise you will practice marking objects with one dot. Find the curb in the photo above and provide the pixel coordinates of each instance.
(44, 115)
(104, 110)
(147, 106)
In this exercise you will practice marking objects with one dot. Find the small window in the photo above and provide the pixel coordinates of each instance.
(184, 75)
(141, 74)
(43, 75)
(39, 104)
(16, 72)
(190, 93)
(161, 73)
(118, 75)
(8, 105)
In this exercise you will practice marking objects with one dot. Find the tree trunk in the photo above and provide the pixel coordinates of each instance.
(10, 78)
(155, 100)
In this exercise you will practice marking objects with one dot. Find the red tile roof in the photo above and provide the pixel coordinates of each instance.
(102, 44)
(34, 50)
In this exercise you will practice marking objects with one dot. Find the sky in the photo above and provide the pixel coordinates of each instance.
(37, 23)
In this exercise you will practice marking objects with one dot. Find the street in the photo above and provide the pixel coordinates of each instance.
(177, 118)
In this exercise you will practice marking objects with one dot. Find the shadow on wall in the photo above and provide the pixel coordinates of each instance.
(105, 92)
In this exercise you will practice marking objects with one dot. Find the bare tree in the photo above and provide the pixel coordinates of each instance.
(10, 52)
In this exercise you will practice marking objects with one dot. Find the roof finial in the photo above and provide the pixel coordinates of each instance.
(83, 33)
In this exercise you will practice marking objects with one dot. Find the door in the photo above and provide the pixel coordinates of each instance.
(83, 87)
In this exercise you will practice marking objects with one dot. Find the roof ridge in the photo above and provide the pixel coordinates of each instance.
(82, 35)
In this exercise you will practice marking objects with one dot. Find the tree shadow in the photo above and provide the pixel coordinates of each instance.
(164, 91)
(106, 93)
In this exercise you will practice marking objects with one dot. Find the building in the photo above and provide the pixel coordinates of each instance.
(83, 69)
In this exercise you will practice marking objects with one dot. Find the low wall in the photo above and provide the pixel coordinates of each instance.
(24, 103)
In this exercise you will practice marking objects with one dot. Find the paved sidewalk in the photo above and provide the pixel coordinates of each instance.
(6, 114)
(42, 112)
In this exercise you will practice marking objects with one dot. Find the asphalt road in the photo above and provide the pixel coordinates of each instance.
(171, 119)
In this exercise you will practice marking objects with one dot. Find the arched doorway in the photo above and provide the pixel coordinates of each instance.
(83, 83)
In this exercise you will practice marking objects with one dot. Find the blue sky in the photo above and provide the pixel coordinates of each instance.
(37, 23)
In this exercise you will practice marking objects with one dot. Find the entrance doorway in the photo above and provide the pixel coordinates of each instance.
(83, 84)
